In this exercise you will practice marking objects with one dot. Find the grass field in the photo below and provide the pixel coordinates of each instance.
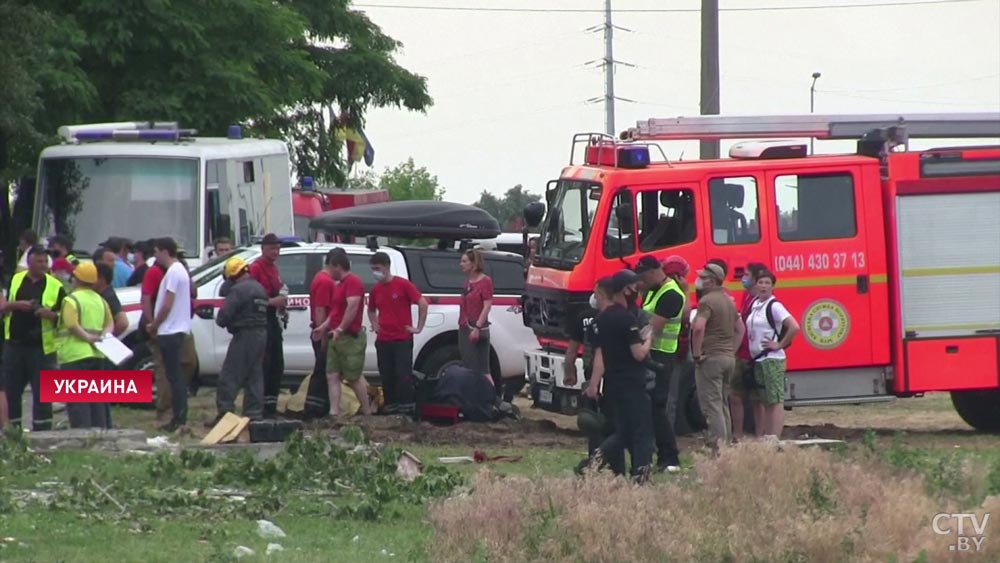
(869, 500)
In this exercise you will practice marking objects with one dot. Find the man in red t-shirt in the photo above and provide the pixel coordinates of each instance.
(151, 281)
(265, 271)
(345, 357)
(390, 313)
(320, 293)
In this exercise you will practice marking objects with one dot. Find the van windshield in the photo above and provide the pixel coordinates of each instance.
(570, 219)
(90, 199)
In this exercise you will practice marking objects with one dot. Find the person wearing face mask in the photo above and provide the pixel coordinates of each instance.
(664, 303)
(621, 359)
(390, 313)
(715, 335)
(739, 395)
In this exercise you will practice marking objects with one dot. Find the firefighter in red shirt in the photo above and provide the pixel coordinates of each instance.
(390, 314)
(265, 271)
(320, 294)
(738, 393)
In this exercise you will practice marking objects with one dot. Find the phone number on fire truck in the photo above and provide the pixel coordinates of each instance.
(834, 261)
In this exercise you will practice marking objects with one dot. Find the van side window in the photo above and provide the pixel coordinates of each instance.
(507, 276)
(735, 216)
(815, 206)
(361, 267)
(666, 218)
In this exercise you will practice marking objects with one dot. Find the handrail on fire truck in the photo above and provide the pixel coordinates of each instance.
(899, 127)
(607, 146)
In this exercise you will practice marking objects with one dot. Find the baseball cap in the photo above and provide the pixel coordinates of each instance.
(270, 239)
(713, 271)
(86, 272)
(647, 263)
(623, 279)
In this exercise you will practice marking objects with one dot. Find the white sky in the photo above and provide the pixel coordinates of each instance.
(509, 89)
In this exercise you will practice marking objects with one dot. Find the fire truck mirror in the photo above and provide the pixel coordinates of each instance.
(534, 213)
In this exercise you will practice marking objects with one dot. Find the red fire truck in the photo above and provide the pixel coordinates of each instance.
(889, 258)
(309, 202)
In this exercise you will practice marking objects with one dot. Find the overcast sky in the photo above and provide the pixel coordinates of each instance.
(510, 89)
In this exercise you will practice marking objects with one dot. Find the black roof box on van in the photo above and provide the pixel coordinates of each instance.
(410, 219)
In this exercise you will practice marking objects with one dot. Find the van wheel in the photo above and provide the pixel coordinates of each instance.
(439, 360)
(979, 409)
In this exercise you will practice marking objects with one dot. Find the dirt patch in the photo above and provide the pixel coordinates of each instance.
(506, 433)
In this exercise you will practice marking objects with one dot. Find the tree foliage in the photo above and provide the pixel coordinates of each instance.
(508, 209)
(406, 181)
(290, 69)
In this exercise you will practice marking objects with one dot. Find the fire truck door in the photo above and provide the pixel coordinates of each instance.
(819, 246)
(734, 224)
(665, 224)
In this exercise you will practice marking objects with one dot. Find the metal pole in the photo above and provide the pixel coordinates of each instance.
(812, 108)
(609, 72)
(709, 69)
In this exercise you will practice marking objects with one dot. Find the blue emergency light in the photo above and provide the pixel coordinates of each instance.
(127, 131)
(307, 182)
(633, 157)
(235, 132)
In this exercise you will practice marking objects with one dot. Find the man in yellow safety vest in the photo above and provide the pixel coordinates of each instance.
(664, 302)
(33, 303)
(85, 320)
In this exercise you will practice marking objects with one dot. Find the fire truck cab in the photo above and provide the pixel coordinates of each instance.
(889, 258)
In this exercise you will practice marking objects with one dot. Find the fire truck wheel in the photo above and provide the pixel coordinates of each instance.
(979, 409)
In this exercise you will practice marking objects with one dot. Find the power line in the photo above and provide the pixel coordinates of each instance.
(661, 10)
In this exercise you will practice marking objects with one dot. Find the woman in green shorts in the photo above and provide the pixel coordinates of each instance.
(770, 329)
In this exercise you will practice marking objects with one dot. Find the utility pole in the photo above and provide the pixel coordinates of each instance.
(709, 69)
(608, 62)
(609, 71)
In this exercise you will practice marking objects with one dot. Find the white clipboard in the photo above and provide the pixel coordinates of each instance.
(113, 349)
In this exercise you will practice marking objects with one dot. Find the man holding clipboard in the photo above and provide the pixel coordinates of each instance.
(84, 321)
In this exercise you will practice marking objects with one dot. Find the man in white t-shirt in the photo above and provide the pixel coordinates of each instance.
(171, 324)
(768, 339)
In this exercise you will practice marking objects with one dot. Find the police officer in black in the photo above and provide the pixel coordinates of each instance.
(620, 361)
(596, 417)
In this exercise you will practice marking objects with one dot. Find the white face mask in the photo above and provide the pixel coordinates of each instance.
(131, 258)
(699, 284)
(593, 301)
(379, 276)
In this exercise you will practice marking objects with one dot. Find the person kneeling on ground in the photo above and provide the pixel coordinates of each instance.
(85, 319)
(244, 315)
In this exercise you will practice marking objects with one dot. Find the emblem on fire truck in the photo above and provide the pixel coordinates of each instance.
(826, 324)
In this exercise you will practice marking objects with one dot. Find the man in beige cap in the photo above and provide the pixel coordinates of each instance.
(715, 335)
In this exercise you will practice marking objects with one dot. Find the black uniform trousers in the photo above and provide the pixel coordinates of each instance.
(667, 452)
(318, 395)
(274, 366)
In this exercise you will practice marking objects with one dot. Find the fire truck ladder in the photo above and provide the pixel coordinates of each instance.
(894, 129)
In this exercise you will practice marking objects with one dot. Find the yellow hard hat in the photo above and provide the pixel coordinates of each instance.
(234, 266)
(86, 272)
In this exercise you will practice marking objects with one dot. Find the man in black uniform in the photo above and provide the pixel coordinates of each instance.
(623, 349)
(596, 417)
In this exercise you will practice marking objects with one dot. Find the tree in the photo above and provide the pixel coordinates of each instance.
(509, 209)
(405, 181)
(284, 68)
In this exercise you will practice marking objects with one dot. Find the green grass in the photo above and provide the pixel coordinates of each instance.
(86, 526)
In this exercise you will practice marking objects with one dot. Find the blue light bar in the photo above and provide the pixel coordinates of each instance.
(171, 135)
